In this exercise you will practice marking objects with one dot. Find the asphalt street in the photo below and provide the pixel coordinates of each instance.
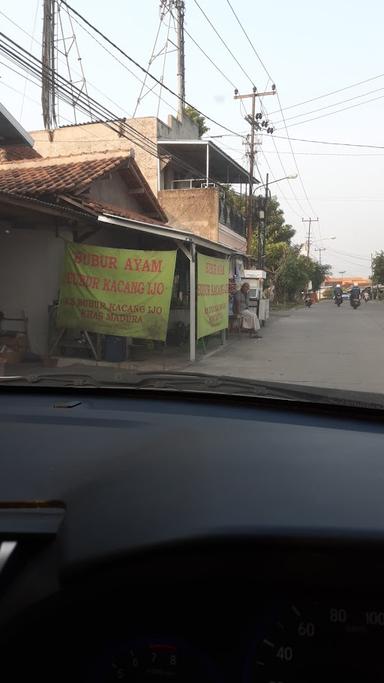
(322, 346)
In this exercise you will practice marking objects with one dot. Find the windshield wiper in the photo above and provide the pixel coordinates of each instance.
(193, 382)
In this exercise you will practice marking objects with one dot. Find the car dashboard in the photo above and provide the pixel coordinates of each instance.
(197, 539)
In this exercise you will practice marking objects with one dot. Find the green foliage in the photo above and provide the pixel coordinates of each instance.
(197, 118)
(287, 268)
(378, 268)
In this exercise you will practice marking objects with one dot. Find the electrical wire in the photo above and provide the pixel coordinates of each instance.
(224, 42)
(322, 116)
(30, 48)
(329, 106)
(141, 68)
(149, 64)
(34, 40)
(210, 60)
(329, 94)
(327, 142)
(249, 41)
(33, 66)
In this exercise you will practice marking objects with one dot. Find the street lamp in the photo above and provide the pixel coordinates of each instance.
(267, 184)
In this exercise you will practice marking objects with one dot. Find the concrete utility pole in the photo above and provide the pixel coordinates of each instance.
(320, 249)
(309, 221)
(254, 126)
(180, 11)
(342, 272)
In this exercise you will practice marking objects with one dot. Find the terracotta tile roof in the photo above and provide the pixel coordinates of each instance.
(56, 176)
(17, 152)
(103, 208)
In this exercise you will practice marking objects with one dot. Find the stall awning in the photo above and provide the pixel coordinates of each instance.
(194, 153)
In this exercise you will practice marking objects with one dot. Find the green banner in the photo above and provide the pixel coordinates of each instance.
(116, 291)
(212, 295)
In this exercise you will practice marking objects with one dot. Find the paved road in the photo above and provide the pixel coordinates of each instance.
(321, 346)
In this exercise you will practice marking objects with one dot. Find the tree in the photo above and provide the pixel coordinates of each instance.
(378, 268)
(194, 115)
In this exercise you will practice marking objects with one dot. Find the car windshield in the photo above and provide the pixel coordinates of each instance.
(162, 229)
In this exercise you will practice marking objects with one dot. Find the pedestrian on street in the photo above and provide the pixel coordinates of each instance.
(241, 307)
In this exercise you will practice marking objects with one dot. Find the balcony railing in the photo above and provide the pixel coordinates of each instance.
(190, 183)
(231, 218)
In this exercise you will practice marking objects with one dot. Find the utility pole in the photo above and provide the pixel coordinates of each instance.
(263, 240)
(309, 221)
(48, 58)
(255, 125)
(320, 249)
(180, 11)
(342, 272)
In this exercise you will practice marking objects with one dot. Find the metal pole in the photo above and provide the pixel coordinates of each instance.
(180, 9)
(192, 303)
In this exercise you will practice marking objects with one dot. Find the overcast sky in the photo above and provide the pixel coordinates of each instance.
(309, 49)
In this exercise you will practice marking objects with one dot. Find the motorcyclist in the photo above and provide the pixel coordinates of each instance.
(338, 293)
(355, 293)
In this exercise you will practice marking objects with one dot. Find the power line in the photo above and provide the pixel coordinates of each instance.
(249, 41)
(321, 116)
(329, 106)
(141, 68)
(333, 92)
(327, 142)
(223, 42)
(210, 60)
(34, 40)
(294, 159)
(33, 65)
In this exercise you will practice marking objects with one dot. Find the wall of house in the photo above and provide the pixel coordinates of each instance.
(30, 267)
(195, 210)
(177, 130)
(97, 137)
(113, 190)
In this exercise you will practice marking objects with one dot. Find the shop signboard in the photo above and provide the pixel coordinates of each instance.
(119, 292)
(212, 295)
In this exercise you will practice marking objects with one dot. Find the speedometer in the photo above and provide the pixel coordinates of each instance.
(314, 643)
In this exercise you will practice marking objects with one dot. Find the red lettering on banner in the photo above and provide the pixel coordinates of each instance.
(96, 260)
(144, 266)
(89, 281)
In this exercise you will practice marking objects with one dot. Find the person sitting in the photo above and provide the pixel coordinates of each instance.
(250, 320)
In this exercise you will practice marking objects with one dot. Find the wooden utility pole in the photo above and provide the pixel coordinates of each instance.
(254, 126)
(309, 221)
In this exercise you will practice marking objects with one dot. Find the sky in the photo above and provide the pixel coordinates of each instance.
(306, 49)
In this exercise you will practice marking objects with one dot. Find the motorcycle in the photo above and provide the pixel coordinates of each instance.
(355, 303)
(308, 302)
(338, 300)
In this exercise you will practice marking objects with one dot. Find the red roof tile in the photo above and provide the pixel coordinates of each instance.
(45, 177)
